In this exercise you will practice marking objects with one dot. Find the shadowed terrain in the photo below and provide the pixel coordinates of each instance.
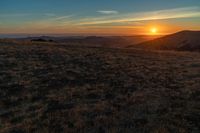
(48, 87)
(105, 41)
(180, 41)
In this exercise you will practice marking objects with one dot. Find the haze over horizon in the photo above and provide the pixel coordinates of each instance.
(105, 17)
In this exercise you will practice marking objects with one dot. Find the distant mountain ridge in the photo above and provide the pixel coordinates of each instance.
(99, 41)
(181, 41)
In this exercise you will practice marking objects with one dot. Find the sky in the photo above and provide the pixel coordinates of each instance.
(98, 17)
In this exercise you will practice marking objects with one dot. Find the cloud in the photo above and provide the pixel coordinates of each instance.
(45, 24)
(71, 22)
(63, 17)
(113, 27)
(108, 12)
(186, 12)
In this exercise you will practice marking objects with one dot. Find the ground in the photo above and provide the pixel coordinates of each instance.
(52, 88)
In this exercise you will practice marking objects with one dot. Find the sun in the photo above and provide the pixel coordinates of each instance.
(153, 30)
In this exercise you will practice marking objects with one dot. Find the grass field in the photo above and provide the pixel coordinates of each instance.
(53, 88)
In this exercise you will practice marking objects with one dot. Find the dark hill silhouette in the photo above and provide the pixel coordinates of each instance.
(182, 41)
(97, 41)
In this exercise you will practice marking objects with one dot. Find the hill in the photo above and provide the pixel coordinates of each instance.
(182, 41)
(95, 41)
(52, 88)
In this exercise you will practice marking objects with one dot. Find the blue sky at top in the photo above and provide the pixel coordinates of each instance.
(59, 13)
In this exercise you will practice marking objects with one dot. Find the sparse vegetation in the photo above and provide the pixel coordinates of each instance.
(52, 88)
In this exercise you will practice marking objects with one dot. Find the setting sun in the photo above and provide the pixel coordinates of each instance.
(153, 30)
(99, 66)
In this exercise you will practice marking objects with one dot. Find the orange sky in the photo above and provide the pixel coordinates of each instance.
(124, 18)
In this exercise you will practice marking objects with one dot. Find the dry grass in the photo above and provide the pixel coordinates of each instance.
(63, 88)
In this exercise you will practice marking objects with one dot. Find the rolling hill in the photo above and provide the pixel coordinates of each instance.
(96, 41)
(53, 88)
(181, 41)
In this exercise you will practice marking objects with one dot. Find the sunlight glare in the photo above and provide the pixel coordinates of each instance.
(154, 30)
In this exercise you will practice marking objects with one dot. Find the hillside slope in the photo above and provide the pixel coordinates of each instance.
(183, 41)
(65, 88)
(96, 41)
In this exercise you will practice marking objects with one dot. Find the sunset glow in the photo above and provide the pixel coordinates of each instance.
(98, 17)
(154, 30)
